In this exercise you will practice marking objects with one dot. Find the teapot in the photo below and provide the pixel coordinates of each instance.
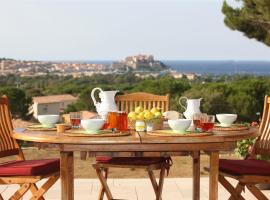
(107, 103)
(192, 106)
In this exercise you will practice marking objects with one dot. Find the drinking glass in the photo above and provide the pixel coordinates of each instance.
(208, 123)
(198, 118)
(112, 120)
(122, 121)
(75, 119)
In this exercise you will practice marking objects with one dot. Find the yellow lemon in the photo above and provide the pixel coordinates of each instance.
(140, 116)
(149, 115)
(153, 110)
(146, 111)
(158, 114)
(132, 115)
(138, 109)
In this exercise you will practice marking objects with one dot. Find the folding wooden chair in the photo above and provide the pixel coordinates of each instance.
(250, 171)
(25, 173)
(128, 103)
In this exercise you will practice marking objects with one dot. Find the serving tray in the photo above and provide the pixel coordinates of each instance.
(101, 133)
(170, 133)
(233, 127)
(39, 127)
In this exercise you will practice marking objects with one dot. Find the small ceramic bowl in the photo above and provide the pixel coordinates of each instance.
(92, 125)
(48, 121)
(226, 120)
(179, 125)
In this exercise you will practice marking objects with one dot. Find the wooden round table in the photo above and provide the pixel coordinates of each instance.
(138, 145)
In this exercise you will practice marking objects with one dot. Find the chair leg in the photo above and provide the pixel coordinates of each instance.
(20, 192)
(45, 187)
(161, 181)
(235, 192)
(153, 181)
(238, 190)
(34, 189)
(157, 187)
(256, 192)
(102, 190)
(104, 184)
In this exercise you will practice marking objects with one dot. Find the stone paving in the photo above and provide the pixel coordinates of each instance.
(133, 189)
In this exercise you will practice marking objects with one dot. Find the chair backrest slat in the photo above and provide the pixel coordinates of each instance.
(262, 145)
(128, 102)
(8, 145)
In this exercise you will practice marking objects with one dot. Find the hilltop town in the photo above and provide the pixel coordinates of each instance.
(142, 65)
(139, 63)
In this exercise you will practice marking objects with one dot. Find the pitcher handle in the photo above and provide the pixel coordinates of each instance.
(93, 94)
(180, 99)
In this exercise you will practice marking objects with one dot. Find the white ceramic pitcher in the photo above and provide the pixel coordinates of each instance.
(107, 103)
(192, 106)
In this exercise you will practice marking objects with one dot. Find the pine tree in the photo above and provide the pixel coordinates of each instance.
(252, 18)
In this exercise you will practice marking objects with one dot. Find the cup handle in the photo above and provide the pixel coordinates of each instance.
(93, 94)
(180, 99)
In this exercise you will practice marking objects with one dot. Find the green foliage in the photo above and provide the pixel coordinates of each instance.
(19, 102)
(214, 97)
(243, 95)
(243, 147)
(252, 18)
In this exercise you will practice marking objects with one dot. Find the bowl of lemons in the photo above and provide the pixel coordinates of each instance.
(147, 116)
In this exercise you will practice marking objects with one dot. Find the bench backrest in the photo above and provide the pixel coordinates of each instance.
(128, 102)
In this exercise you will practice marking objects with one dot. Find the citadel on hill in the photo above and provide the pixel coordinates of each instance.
(139, 63)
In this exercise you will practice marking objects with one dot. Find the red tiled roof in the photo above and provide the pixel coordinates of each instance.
(54, 98)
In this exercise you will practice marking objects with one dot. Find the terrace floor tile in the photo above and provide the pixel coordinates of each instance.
(133, 189)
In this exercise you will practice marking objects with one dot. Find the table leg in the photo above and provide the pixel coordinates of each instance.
(67, 175)
(213, 175)
(196, 175)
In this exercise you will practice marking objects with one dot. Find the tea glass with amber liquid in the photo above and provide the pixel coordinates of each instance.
(122, 121)
(75, 119)
(112, 120)
(208, 123)
(117, 121)
(198, 118)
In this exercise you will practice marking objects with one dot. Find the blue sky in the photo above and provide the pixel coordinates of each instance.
(113, 29)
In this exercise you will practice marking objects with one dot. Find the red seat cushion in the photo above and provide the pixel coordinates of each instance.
(245, 167)
(140, 161)
(103, 159)
(29, 167)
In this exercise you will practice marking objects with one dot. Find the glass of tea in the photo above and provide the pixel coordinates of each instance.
(208, 123)
(75, 119)
(112, 120)
(197, 119)
(122, 121)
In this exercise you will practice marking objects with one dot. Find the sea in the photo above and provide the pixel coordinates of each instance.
(220, 67)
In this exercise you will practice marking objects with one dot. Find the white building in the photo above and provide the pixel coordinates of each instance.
(53, 104)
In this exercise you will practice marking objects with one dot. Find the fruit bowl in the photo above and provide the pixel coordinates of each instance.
(48, 121)
(179, 125)
(92, 125)
(149, 116)
(226, 120)
(157, 124)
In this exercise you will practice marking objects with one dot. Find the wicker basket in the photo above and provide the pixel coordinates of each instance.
(157, 124)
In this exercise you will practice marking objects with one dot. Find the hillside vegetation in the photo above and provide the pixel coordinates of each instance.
(233, 94)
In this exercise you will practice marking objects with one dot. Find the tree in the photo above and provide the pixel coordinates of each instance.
(19, 102)
(252, 18)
